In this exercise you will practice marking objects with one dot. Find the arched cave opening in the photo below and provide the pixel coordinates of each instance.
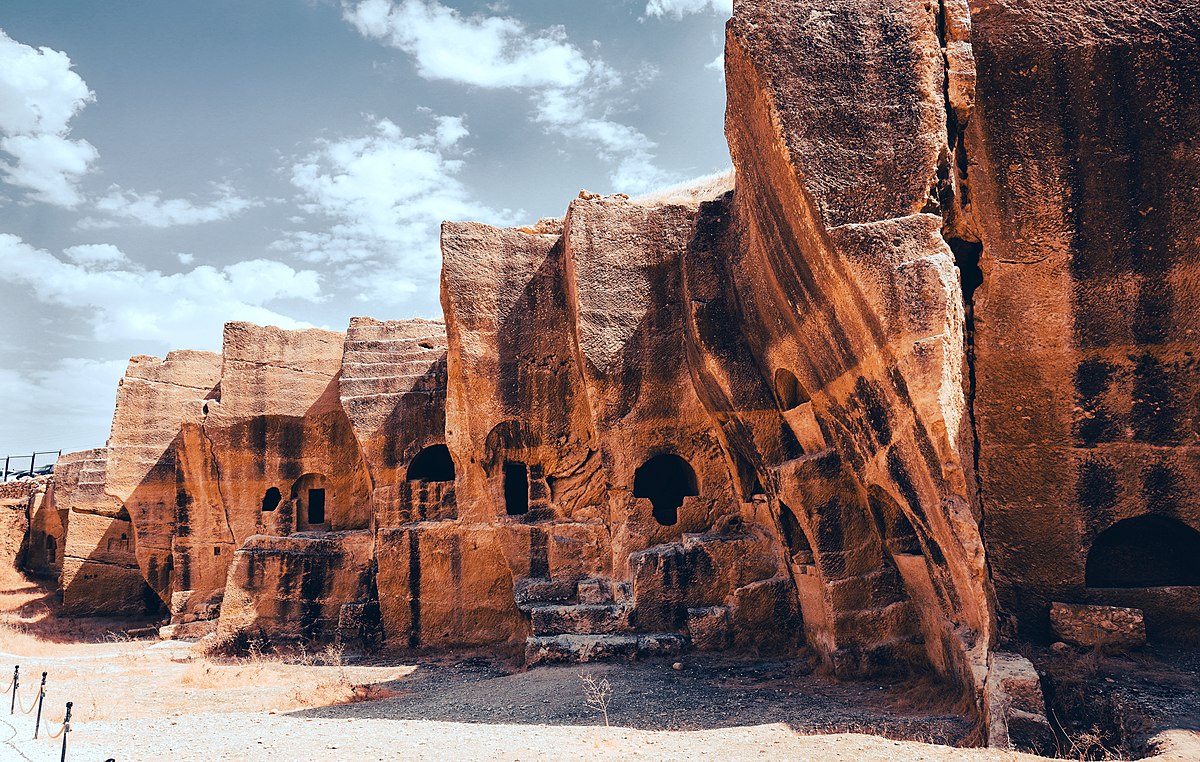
(788, 390)
(665, 480)
(1146, 551)
(433, 464)
(516, 488)
(271, 499)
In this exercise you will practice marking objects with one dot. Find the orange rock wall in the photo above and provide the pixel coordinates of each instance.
(1083, 172)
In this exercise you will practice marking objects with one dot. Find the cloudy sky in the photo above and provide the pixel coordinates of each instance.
(166, 167)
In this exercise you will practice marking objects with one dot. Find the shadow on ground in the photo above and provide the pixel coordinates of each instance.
(710, 692)
(34, 608)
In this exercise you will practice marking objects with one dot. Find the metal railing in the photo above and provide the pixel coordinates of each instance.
(12, 461)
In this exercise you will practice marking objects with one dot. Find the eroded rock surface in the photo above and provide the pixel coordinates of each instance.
(1084, 169)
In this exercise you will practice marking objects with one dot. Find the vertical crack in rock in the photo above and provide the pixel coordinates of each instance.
(211, 455)
(953, 190)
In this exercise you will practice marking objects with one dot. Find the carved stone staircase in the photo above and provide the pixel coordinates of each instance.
(586, 620)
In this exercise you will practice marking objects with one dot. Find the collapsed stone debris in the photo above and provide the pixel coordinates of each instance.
(923, 368)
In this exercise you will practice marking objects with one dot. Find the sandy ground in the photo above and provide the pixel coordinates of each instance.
(149, 700)
(141, 700)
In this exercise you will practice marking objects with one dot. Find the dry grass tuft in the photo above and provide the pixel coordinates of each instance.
(690, 192)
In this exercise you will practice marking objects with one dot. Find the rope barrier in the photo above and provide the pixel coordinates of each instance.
(63, 724)
(39, 722)
(32, 705)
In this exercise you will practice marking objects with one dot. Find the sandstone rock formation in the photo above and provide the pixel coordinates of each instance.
(937, 334)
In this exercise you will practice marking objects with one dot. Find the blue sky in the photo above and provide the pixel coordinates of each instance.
(166, 167)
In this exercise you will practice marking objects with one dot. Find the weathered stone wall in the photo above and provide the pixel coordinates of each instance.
(14, 532)
(273, 453)
(157, 401)
(308, 587)
(100, 574)
(853, 309)
(1083, 174)
(43, 539)
(393, 388)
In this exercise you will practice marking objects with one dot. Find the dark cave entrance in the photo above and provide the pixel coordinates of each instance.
(316, 505)
(271, 500)
(1146, 551)
(665, 480)
(433, 464)
(788, 390)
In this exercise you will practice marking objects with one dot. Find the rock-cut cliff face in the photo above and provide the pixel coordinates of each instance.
(937, 336)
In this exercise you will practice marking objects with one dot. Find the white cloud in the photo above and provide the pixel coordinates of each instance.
(386, 194)
(39, 95)
(487, 51)
(68, 404)
(130, 303)
(97, 256)
(151, 210)
(571, 93)
(679, 8)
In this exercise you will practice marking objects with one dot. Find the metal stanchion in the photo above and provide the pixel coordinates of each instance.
(16, 683)
(41, 697)
(66, 732)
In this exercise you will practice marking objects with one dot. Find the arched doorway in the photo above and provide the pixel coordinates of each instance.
(1146, 551)
(665, 480)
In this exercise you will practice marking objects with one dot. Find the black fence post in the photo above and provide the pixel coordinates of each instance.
(66, 732)
(16, 683)
(41, 697)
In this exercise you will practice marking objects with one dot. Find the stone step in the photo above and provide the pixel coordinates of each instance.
(558, 649)
(578, 619)
(530, 591)
(602, 590)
